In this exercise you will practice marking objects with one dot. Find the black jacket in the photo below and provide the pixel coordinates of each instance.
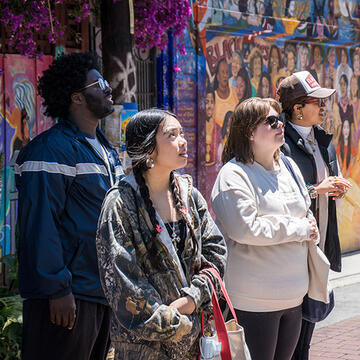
(295, 148)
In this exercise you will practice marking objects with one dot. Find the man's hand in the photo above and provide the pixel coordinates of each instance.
(63, 311)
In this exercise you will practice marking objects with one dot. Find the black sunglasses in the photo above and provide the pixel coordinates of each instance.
(273, 120)
(103, 84)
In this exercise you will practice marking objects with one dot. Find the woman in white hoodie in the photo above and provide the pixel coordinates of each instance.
(267, 223)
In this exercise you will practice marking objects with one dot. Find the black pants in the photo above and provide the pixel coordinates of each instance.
(88, 340)
(303, 345)
(271, 335)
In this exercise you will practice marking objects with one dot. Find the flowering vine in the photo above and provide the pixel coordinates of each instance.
(153, 18)
(24, 18)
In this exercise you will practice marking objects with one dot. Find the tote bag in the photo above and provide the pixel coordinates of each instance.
(319, 301)
(230, 334)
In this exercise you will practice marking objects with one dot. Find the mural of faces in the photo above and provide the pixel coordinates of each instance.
(346, 130)
(236, 64)
(290, 59)
(343, 86)
(317, 55)
(209, 104)
(303, 57)
(243, 87)
(240, 87)
(265, 86)
(269, 54)
(355, 60)
(331, 57)
(222, 75)
(274, 60)
(354, 87)
(343, 58)
(356, 63)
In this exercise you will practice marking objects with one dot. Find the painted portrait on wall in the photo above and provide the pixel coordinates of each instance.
(21, 120)
(253, 48)
(20, 102)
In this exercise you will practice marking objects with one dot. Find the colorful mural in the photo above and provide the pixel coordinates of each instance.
(21, 119)
(245, 48)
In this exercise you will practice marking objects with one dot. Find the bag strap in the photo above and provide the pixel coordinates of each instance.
(288, 165)
(219, 323)
(223, 289)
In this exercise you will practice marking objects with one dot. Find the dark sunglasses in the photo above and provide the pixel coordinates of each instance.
(319, 102)
(103, 84)
(273, 120)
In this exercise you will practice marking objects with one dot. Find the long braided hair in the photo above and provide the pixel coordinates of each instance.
(140, 144)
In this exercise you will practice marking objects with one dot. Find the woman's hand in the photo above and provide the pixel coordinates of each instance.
(185, 305)
(314, 233)
(336, 186)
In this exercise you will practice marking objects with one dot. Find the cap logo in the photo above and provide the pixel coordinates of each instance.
(311, 81)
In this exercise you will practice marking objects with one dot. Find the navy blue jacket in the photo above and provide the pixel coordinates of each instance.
(62, 182)
(295, 148)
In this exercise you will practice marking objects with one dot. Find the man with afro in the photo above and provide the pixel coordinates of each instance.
(62, 177)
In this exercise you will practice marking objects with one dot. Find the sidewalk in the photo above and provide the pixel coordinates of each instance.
(338, 337)
(337, 341)
(350, 273)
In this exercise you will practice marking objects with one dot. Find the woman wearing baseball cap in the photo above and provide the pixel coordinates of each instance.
(304, 103)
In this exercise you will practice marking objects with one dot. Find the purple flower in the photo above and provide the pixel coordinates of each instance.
(153, 18)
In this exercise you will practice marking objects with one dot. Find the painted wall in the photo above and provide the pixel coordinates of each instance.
(250, 45)
(21, 119)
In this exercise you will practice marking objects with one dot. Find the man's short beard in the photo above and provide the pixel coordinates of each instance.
(97, 106)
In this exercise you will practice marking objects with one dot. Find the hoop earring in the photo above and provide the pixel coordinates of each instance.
(149, 163)
(300, 116)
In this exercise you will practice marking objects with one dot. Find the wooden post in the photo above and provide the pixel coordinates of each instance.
(117, 55)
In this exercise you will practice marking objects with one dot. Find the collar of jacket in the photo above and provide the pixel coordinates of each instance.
(185, 185)
(72, 130)
(323, 137)
(184, 181)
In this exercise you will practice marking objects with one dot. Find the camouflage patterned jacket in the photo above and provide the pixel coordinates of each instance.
(144, 326)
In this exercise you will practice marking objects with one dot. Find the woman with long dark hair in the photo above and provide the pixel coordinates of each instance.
(154, 236)
(274, 66)
(265, 88)
(256, 63)
(346, 109)
(345, 150)
(225, 95)
(243, 85)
